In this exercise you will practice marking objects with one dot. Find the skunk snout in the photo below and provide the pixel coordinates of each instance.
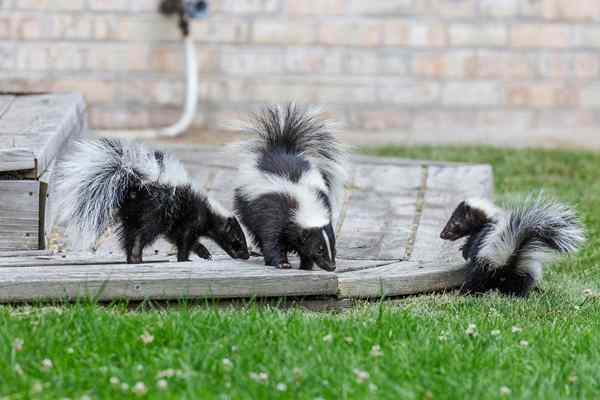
(326, 265)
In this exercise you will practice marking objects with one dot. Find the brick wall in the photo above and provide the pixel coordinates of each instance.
(493, 71)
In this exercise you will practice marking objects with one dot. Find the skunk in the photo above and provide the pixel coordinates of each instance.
(145, 194)
(290, 179)
(506, 249)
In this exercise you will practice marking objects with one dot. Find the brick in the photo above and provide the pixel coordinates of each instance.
(360, 62)
(8, 53)
(542, 95)
(346, 94)
(67, 57)
(280, 92)
(351, 33)
(147, 28)
(111, 5)
(414, 33)
(245, 7)
(316, 7)
(118, 57)
(380, 119)
(394, 62)
(472, 93)
(540, 9)
(578, 10)
(590, 95)
(567, 119)
(587, 36)
(162, 92)
(220, 30)
(445, 64)
(72, 26)
(446, 8)
(541, 35)
(38, 5)
(499, 8)
(506, 64)
(5, 27)
(516, 120)
(32, 59)
(570, 65)
(380, 7)
(408, 92)
(313, 60)
(284, 32)
(95, 91)
(478, 35)
(118, 116)
(106, 27)
(251, 61)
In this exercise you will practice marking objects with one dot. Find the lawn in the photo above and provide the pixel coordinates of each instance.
(421, 347)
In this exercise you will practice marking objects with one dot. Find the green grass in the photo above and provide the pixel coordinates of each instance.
(309, 353)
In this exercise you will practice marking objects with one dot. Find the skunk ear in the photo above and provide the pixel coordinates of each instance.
(230, 225)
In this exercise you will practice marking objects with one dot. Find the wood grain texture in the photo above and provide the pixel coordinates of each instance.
(160, 281)
(16, 160)
(19, 215)
(399, 279)
(5, 102)
(41, 124)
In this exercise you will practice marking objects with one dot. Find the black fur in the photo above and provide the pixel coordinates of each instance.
(534, 226)
(122, 186)
(283, 149)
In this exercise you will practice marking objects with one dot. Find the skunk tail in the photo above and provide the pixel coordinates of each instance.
(94, 180)
(531, 233)
(301, 131)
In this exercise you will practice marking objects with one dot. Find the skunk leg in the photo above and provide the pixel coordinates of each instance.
(272, 254)
(516, 284)
(285, 263)
(306, 263)
(476, 282)
(201, 251)
(134, 250)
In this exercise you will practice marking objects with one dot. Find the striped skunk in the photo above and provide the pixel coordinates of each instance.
(146, 194)
(290, 179)
(506, 249)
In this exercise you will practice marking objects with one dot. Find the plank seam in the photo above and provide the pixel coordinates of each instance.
(7, 106)
(420, 207)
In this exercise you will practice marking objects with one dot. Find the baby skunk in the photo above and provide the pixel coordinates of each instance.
(291, 178)
(506, 249)
(146, 194)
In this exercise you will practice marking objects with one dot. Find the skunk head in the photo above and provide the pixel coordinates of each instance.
(230, 237)
(468, 218)
(318, 244)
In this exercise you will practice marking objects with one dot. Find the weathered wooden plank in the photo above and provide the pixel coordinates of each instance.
(160, 281)
(25, 253)
(387, 179)
(446, 187)
(16, 160)
(45, 122)
(5, 102)
(40, 260)
(19, 203)
(400, 278)
(376, 226)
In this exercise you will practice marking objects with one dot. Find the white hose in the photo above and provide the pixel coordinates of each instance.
(191, 102)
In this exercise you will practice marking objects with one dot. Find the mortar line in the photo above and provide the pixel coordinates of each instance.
(420, 206)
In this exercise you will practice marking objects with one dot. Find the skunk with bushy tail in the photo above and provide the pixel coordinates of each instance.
(145, 194)
(292, 176)
(507, 248)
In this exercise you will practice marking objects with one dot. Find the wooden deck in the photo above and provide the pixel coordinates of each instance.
(388, 244)
(387, 228)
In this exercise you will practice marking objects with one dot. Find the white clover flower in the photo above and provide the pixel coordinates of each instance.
(360, 375)
(261, 377)
(70, 350)
(443, 338)
(372, 387)
(146, 338)
(505, 391)
(471, 330)
(18, 345)
(588, 292)
(162, 384)
(524, 343)
(124, 387)
(37, 387)
(572, 379)
(139, 389)
(328, 338)
(495, 332)
(376, 351)
(227, 364)
(281, 387)
(18, 370)
(516, 329)
(167, 373)
(348, 339)
(114, 381)
(46, 365)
